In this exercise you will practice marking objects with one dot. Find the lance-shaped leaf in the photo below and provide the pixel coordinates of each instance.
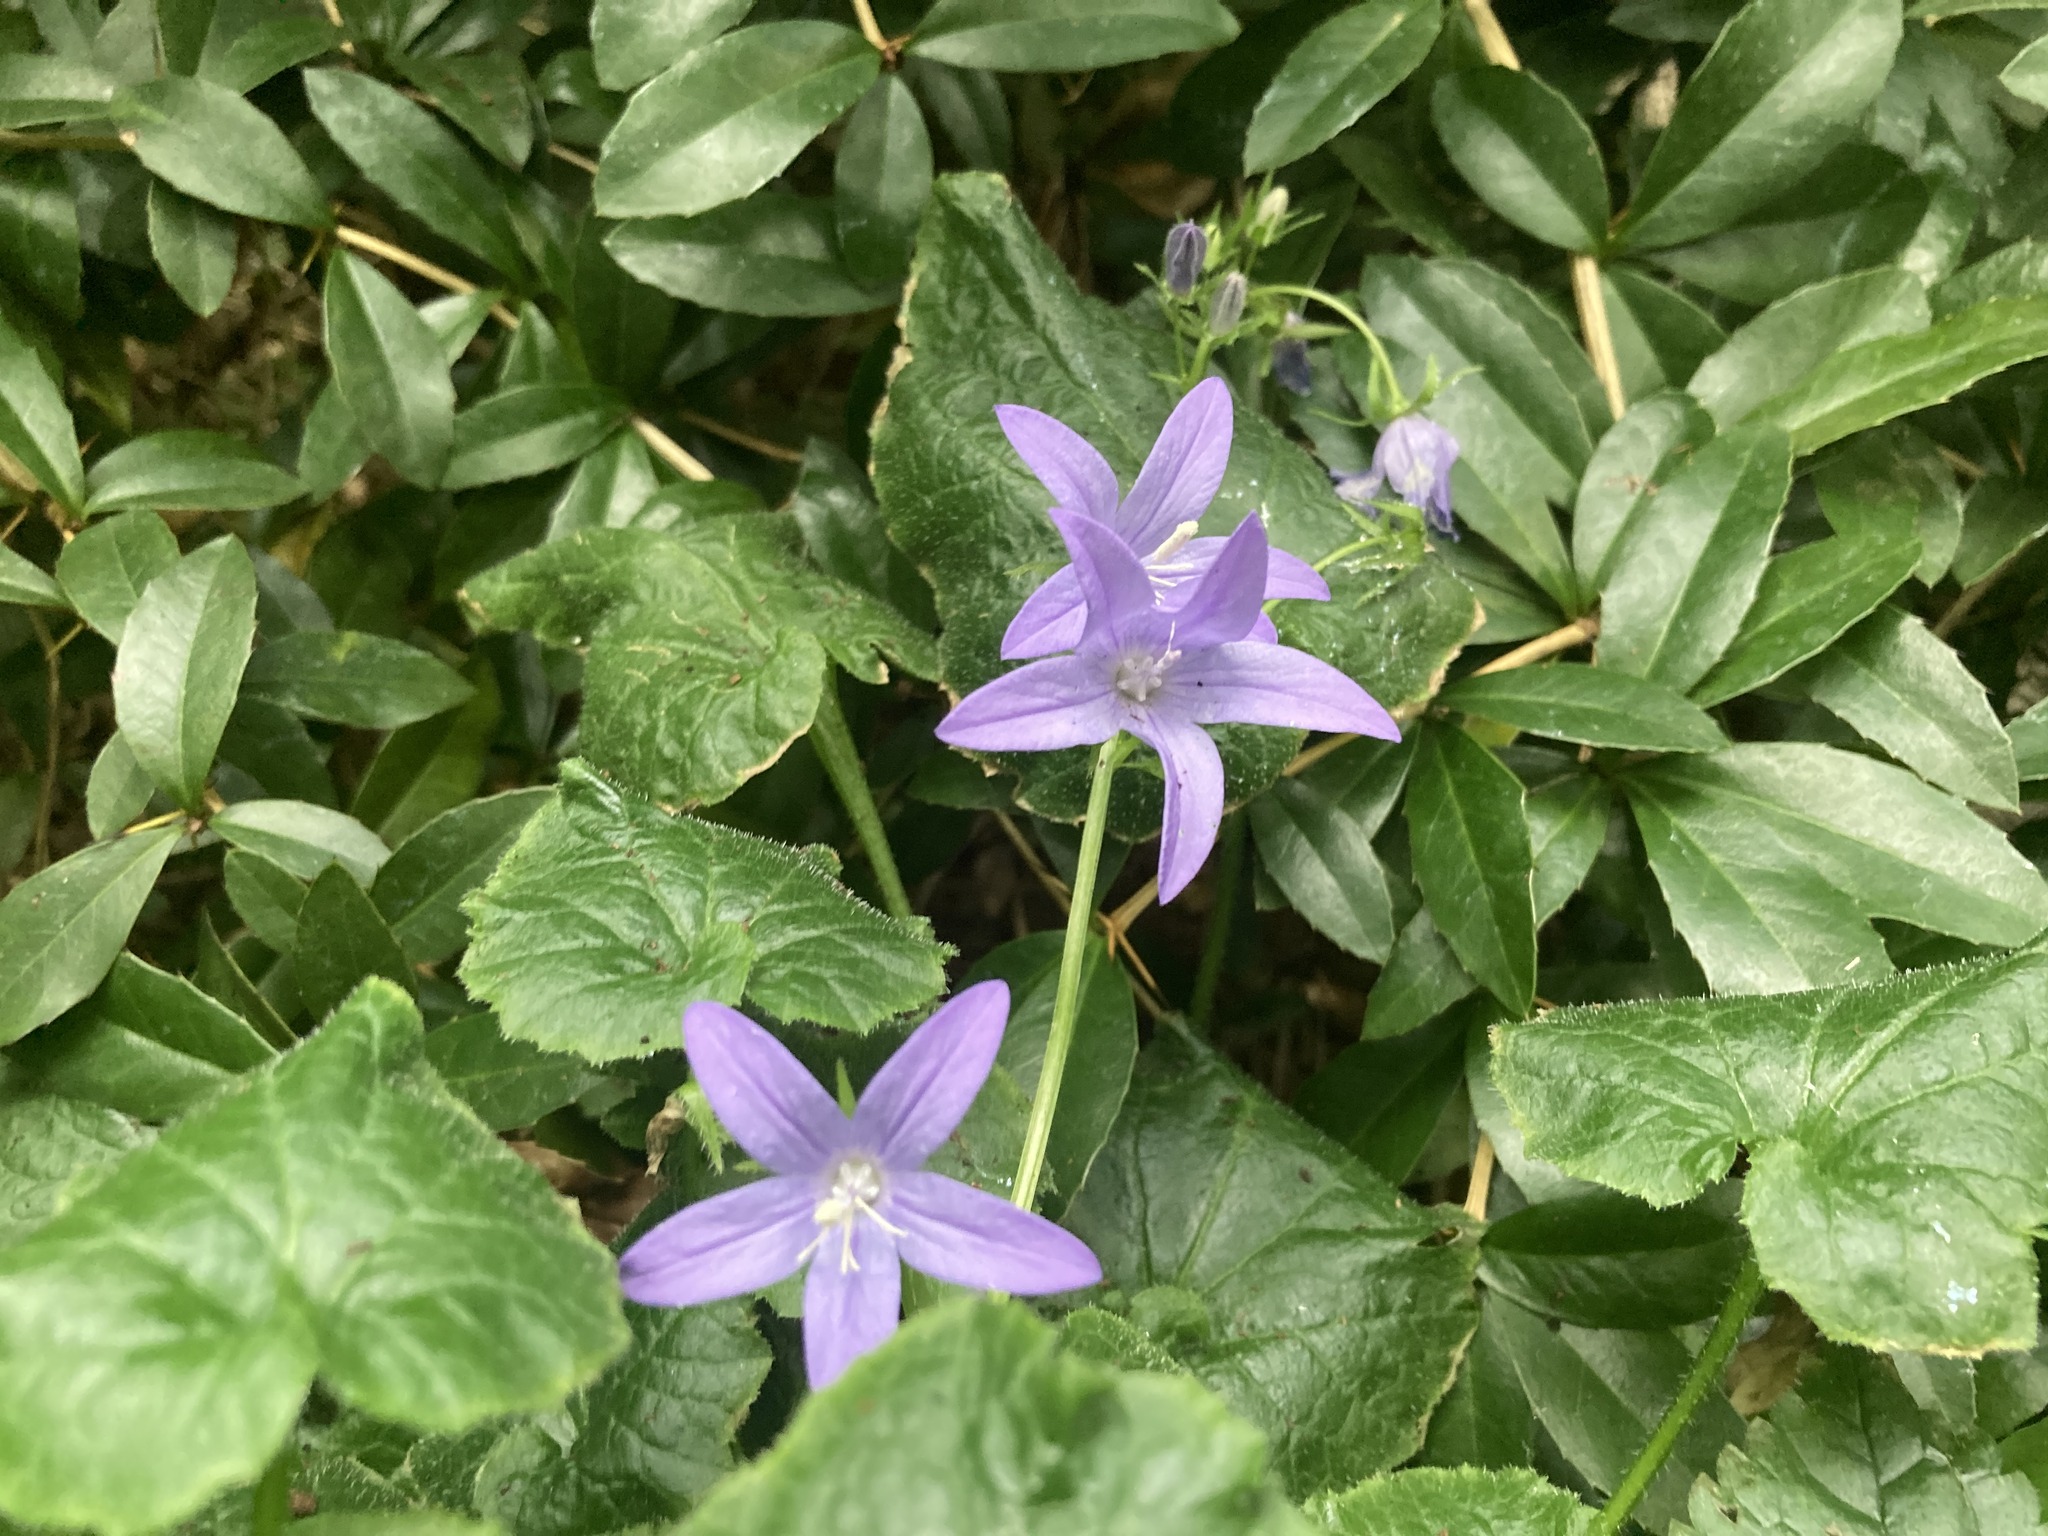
(353, 679)
(195, 245)
(1315, 839)
(179, 126)
(388, 367)
(880, 179)
(1470, 841)
(632, 40)
(1526, 151)
(34, 425)
(1335, 74)
(104, 570)
(1627, 473)
(160, 1335)
(1067, 35)
(188, 470)
(772, 254)
(1898, 1148)
(420, 890)
(1594, 705)
(1428, 1501)
(608, 916)
(1310, 1295)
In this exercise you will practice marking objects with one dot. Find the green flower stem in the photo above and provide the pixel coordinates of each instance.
(270, 1505)
(1352, 318)
(1066, 1003)
(834, 744)
(1216, 942)
(1705, 1372)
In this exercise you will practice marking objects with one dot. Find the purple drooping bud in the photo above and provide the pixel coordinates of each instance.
(1227, 308)
(1187, 247)
(1358, 487)
(1290, 365)
(1413, 459)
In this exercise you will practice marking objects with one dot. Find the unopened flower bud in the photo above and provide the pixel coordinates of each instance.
(1187, 247)
(1272, 209)
(1290, 365)
(1227, 308)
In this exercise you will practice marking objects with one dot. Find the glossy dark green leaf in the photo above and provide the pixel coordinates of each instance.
(2001, 517)
(527, 430)
(34, 425)
(118, 790)
(421, 889)
(1527, 153)
(842, 529)
(1594, 705)
(1660, 336)
(1685, 568)
(61, 928)
(1805, 599)
(2029, 736)
(52, 1150)
(388, 369)
(1336, 1349)
(1889, 1193)
(2027, 75)
(728, 116)
(880, 180)
(635, 41)
(1470, 842)
(1782, 87)
(273, 747)
(1428, 1501)
(1314, 835)
(1335, 74)
(1636, 457)
(1567, 825)
(266, 896)
(507, 1082)
(1891, 482)
(451, 1288)
(1607, 1261)
(24, 582)
(178, 126)
(353, 679)
(39, 232)
(42, 88)
(187, 469)
(1381, 1099)
(408, 155)
(569, 921)
(180, 662)
(342, 939)
(303, 838)
(194, 245)
(1071, 35)
(1421, 978)
(432, 765)
(773, 254)
(265, 48)
(487, 95)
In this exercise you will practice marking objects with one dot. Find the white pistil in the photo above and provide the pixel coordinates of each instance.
(1140, 675)
(856, 1188)
(1174, 541)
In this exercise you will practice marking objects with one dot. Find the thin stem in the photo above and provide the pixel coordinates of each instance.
(568, 156)
(670, 452)
(1705, 1372)
(1591, 298)
(1351, 316)
(1492, 38)
(1578, 632)
(1481, 1187)
(15, 138)
(1216, 942)
(746, 440)
(270, 1505)
(53, 736)
(869, 29)
(834, 744)
(1066, 1003)
(1356, 546)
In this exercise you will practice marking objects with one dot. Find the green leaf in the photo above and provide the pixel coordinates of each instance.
(1337, 72)
(1421, 979)
(1392, 629)
(1315, 833)
(1627, 473)
(352, 678)
(1382, 1099)
(178, 126)
(1429, 1501)
(1889, 483)
(880, 179)
(1470, 842)
(61, 928)
(1776, 350)
(388, 370)
(1908, 692)
(1660, 336)
(432, 765)
(2027, 75)
(1525, 150)
(1594, 705)
(529, 429)
(1314, 1300)
(1607, 1261)
(1028, 36)
(635, 41)
(1805, 600)
(34, 425)
(1528, 417)
(1782, 86)
(1847, 1450)
(487, 95)
(2029, 736)
(577, 950)
(180, 661)
(266, 896)
(118, 790)
(726, 118)
(195, 246)
(24, 582)
(903, 1441)
(506, 1082)
(1864, 385)
(450, 1288)
(1567, 825)
(420, 890)
(52, 1150)
(773, 254)
(1892, 1189)
(187, 470)
(302, 838)
(406, 153)
(1685, 568)
(342, 939)
(41, 88)
(39, 232)
(104, 570)
(1773, 855)
(2001, 517)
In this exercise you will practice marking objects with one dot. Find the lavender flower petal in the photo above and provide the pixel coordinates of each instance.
(1062, 701)
(1183, 471)
(1272, 685)
(1066, 464)
(852, 1298)
(733, 1243)
(963, 1236)
(1194, 794)
(1052, 618)
(1187, 247)
(1113, 579)
(1415, 456)
(763, 1096)
(913, 1104)
(1225, 603)
(1293, 577)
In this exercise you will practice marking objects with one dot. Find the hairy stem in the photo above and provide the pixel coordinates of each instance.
(1066, 1004)
(1705, 1372)
(270, 1505)
(834, 744)
(1216, 942)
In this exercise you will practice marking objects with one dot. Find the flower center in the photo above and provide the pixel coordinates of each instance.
(1139, 675)
(856, 1187)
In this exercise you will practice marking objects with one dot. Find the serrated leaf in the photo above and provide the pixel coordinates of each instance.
(388, 370)
(508, 1083)
(420, 889)
(1337, 1349)
(1470, 841)
(578, 951)
(52, 1150)
(1066, 35)
(353, 679)
(104, 570)
(177, 126)
(1522, 146)
(1428, 1501)
(34, 425)
(152, 1373)
(770, 254)
(1335, 74)
(1892, 1188)
(1597, 706)
(188, 470)
(179, 663)
(341, 940)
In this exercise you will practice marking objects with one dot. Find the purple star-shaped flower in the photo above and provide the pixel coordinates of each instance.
(849, 1195)
(1157, 520)
(1413, 458)
(1162, 674)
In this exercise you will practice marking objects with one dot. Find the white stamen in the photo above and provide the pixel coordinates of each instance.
(856, 1188)
(1139, 675)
